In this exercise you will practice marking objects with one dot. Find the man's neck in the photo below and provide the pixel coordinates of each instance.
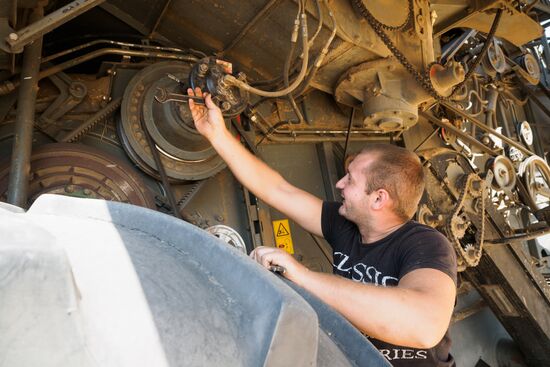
(372, 232)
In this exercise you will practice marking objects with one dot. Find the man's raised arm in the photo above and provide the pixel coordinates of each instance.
(267, 184)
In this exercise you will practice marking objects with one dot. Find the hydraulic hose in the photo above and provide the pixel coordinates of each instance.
(231, 80)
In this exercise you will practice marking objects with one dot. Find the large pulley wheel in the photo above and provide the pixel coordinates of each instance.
(536, 176)
(81, 171)
(184, 153)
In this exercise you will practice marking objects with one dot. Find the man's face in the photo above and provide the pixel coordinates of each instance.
(355, 199)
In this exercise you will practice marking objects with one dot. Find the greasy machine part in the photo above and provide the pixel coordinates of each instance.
(184, 153)
(81, 171)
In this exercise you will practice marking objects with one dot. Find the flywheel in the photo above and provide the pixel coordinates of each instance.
(184, 153)
(81, 171)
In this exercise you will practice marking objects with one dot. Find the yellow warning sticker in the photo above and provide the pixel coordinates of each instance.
(283, 238)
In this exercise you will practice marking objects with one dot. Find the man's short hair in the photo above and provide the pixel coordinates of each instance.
(399, 172)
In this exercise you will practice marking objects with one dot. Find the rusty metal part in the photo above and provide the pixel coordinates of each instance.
(457, 224)
(22, 147)
(184, 153)
(71, 95)
(536, 176)
(423, 78)
(78, 170)
(38, 28)
(99, 116)
(427, 217)
(387, 94)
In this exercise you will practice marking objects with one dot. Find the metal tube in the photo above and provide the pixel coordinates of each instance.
(482, 126)
(45, 24)
(9, 86)
(22, 142)
(521, 237)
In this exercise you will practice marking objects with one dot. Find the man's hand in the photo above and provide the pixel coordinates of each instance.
(208, 118)
(272, 256)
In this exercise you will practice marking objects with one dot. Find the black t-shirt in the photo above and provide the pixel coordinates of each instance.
(383, 263)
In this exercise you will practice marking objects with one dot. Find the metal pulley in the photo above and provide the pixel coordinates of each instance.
(229, 236)
(526, 133)
(530, 68)
(504, 173)
(494, 61)
(536, 176)
(81, 171)
(184, 153)
(208, 75)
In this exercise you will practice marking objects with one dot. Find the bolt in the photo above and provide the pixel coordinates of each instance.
(13, 36)
(69, 189)
(226, 106)
(87, 192)
(219, 218)
(203, 68)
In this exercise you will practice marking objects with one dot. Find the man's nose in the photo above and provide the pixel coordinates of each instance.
(340, 184)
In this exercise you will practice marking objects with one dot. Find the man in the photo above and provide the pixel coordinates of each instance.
(395, 279)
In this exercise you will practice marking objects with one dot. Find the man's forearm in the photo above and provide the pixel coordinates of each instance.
(392, 314)
(249, 170)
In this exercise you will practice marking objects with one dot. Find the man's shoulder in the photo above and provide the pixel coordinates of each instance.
(413, 228)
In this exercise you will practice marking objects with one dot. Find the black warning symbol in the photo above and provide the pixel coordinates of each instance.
(282, 231)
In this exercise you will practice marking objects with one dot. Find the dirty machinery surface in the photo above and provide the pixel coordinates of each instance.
(94, 94)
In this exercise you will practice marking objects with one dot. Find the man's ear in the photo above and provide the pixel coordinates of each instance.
(381, 199)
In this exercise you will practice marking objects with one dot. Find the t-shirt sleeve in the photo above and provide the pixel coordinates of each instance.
(428, 249)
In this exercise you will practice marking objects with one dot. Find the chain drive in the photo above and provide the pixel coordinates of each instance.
(470, 259)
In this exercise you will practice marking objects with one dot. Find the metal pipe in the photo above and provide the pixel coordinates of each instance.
(315, 139)
(458, 132)
(482, 126)
(121, 44)
(22, 142)
(520, 238)
(38, 28)
(9, 86)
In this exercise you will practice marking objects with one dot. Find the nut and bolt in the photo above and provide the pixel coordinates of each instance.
(13, 36)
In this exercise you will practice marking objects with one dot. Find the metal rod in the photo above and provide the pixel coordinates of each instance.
(262, 13)
(482, 126)
(458, 132)
(520, 238)
(22, 143)
(8, 86)
(38, 28)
